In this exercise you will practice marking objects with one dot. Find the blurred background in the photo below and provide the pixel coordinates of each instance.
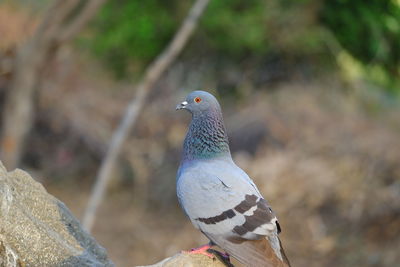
(310, 94)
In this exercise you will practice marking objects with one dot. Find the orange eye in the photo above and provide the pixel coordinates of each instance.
(197, 100)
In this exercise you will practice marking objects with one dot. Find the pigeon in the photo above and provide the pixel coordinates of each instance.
(219, 198)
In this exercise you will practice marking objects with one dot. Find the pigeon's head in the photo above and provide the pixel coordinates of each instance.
(198, 102)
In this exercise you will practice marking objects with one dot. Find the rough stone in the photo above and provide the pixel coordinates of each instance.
(191, 260)
(36, 229)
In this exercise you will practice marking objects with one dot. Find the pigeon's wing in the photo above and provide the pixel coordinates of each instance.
(228, 208)
(254, 242)
(219, 200)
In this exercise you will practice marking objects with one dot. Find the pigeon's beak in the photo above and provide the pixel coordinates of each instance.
(182, 105)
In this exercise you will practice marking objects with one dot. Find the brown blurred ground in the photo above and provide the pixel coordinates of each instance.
(325, 156)
(328, 165)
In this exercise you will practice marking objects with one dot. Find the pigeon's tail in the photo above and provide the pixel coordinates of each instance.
(284, 257)
(255, 253)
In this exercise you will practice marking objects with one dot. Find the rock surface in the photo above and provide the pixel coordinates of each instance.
(189, 260)
(36, 229)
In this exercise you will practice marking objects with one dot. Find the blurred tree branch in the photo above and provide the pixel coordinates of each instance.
(62, 21)
(152, 74)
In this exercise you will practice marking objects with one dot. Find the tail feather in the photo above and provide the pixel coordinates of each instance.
(255, 253)
(284, 257)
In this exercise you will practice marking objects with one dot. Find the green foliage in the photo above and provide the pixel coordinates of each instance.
(236, 27)
(127, 35)
(370, 31)
(128, 31)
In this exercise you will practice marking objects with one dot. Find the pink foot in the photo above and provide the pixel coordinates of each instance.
(201, 250)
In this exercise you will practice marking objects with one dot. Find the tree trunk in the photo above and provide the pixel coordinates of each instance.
(56, 28)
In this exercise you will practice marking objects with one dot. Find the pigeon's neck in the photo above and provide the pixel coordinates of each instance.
(206, 137)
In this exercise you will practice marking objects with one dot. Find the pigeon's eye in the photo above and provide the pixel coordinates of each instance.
(197, 100)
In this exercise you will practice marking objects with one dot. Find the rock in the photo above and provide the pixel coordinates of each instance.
(192, 260)
(37, 229)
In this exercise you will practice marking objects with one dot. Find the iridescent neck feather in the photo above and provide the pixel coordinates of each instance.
(206, 137)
